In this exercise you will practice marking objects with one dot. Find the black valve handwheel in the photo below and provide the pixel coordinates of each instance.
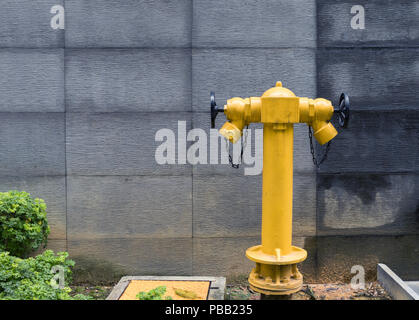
(343, 111)
(214, 109)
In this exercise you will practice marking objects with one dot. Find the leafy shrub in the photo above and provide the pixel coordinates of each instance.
(153, 294)
(23, 223)
(30, 279)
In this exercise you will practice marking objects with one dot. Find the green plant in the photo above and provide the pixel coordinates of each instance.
(154, 294)
(34, 279)
(23, 223)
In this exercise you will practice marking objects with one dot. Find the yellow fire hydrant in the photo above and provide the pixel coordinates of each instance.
(276, 271)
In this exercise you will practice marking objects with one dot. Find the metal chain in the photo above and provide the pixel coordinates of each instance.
(316, 162)
(243, 146)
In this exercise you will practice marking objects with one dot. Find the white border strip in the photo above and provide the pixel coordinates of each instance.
(395, 286)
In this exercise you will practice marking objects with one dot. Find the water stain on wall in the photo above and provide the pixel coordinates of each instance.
(364, 187)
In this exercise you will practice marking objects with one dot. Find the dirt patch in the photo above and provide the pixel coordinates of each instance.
(96, 292)
(372, 291)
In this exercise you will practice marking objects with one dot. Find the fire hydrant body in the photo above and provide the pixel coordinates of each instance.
(278, 109)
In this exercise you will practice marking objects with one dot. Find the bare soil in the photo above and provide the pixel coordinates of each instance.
(96, 292)
(329, 291)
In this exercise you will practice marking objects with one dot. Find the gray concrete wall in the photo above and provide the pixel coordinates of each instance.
(81, 106)
(368, 192)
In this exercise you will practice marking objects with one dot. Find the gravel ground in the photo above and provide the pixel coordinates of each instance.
(329, 291)
(96, 292)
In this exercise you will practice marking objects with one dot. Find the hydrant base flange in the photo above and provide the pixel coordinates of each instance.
(276, 274)
(257, 255)
(276, 293)
(275, 279)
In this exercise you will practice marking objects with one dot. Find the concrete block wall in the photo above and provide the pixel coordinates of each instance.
(128, 74)
(32, 108)
(81, 107)
(368, 191)
(242, 50)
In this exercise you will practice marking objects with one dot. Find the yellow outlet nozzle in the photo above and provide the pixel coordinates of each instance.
(232, 131)
(324, 132)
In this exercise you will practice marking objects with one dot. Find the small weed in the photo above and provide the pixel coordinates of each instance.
(154, 294)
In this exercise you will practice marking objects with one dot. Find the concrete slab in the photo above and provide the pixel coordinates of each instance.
(414, 285)
(216, 290)
(396, 287)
